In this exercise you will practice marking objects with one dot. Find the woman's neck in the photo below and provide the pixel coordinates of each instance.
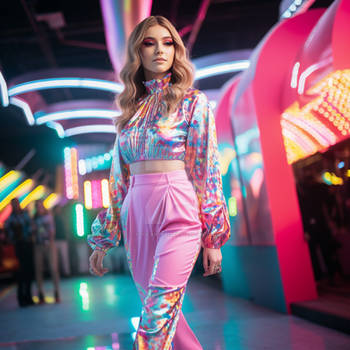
(151, 75)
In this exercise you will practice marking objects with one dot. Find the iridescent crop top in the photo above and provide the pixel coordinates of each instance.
(188, 134)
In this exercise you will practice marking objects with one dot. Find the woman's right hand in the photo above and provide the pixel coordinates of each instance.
(96, 263)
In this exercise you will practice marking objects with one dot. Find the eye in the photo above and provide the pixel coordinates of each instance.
(147, 43)
(169, 43)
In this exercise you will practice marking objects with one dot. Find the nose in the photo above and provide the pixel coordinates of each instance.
(159, 49)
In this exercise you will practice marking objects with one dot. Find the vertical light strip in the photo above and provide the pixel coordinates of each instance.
(68, 173)
(87, 195)
(105, 193)
(79, 215)
(96, 194)
(74, 172)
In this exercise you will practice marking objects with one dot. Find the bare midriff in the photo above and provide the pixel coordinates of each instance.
(156, 166)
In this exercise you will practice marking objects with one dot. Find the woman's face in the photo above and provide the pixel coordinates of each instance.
(157, 52)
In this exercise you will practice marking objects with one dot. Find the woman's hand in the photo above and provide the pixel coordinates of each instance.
(211, 261)
(96, 263)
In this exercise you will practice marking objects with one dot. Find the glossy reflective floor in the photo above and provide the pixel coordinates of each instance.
(102, 314)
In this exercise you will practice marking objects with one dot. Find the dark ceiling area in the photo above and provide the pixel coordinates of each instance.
(28, 44)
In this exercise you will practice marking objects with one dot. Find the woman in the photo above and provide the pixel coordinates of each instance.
(165, 184)
(44, 246)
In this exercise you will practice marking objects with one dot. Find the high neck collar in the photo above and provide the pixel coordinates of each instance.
(157, 85)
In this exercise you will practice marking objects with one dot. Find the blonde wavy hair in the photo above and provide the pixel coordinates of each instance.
(132, 73)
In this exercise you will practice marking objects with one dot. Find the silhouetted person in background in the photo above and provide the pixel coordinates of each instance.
(61, 240)
(19, 230)
(45, 247)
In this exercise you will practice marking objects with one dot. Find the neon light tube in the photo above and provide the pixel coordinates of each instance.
(58, 127)
(25, 107)
(55, 83)
(221, 68)
(3, 91)
(9, 178)
(105, 193)
(87, 194)
(51, 200)
(96, 194)
(79, 212)
(5, 214)
(82, 167)
(74, 172)
(68, 173)
(24, 187)
(87, 129)
(37, 193)
(76, 114)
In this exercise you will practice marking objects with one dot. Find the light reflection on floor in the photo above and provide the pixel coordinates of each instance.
(103, 314)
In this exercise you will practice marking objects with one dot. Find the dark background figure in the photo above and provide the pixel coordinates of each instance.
(61, 240)
(316, 204)
(19, 230)
(45, 248)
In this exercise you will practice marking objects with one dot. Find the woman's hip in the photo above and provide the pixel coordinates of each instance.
(162, 201)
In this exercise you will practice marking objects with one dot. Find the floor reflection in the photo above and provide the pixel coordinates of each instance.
(103, 314)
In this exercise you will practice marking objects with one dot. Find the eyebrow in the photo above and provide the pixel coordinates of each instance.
(164, 37)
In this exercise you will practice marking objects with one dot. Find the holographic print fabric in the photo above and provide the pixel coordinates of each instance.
(159, 318)
(188, 134)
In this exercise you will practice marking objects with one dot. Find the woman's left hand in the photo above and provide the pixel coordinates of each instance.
(211, 261)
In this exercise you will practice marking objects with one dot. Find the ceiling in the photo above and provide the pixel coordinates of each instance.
(28, 45)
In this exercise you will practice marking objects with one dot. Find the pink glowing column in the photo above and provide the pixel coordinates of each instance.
(276, 56)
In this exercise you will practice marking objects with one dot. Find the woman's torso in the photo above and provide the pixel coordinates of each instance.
(155, 142)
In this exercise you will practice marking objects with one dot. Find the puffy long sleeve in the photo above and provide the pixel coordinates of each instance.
(202, 164)
(106, 228)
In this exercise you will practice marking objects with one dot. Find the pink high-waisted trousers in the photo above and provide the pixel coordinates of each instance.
(162, 238)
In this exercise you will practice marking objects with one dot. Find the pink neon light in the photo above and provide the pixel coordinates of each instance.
(67, 173)
(96, 194)
(74, 172)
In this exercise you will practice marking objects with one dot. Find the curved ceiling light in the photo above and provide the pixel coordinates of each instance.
(87, 129)
(221, 68)
(76, 114)
(105, 85)
(3, 91)
(58, 127)
(98, 84)
(25, 107)
(55, 83)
